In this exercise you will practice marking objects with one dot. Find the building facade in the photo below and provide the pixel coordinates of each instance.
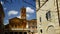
(32, 25)
(17, 23)
(47, 16)
(1, 19)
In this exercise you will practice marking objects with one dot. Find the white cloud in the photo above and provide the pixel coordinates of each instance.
(29, 10)
(18, 16)
(2, 2)
(12, 12)
(28, 15)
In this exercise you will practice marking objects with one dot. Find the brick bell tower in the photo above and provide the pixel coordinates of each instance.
(23, 13)
(23, 16)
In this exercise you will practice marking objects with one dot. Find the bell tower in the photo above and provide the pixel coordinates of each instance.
(23, 13)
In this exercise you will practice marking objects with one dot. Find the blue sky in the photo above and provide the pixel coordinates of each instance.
(13, 9)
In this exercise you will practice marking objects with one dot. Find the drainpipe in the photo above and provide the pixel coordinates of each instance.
(58, 11)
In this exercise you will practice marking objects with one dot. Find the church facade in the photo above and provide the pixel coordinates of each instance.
(47, 16)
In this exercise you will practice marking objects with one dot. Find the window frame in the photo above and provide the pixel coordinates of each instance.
(48, 15)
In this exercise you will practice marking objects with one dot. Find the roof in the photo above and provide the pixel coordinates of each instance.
(16, 20)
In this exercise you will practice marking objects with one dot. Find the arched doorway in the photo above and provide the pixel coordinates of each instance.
(51, 29)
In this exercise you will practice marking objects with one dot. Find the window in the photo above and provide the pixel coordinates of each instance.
(41, 30)
(48, 15)
(16, 33)
(44, 0)
(20, 32)
(33, 26)
(40, 19)
(25, 32)
(11, 32)
(15, 25)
